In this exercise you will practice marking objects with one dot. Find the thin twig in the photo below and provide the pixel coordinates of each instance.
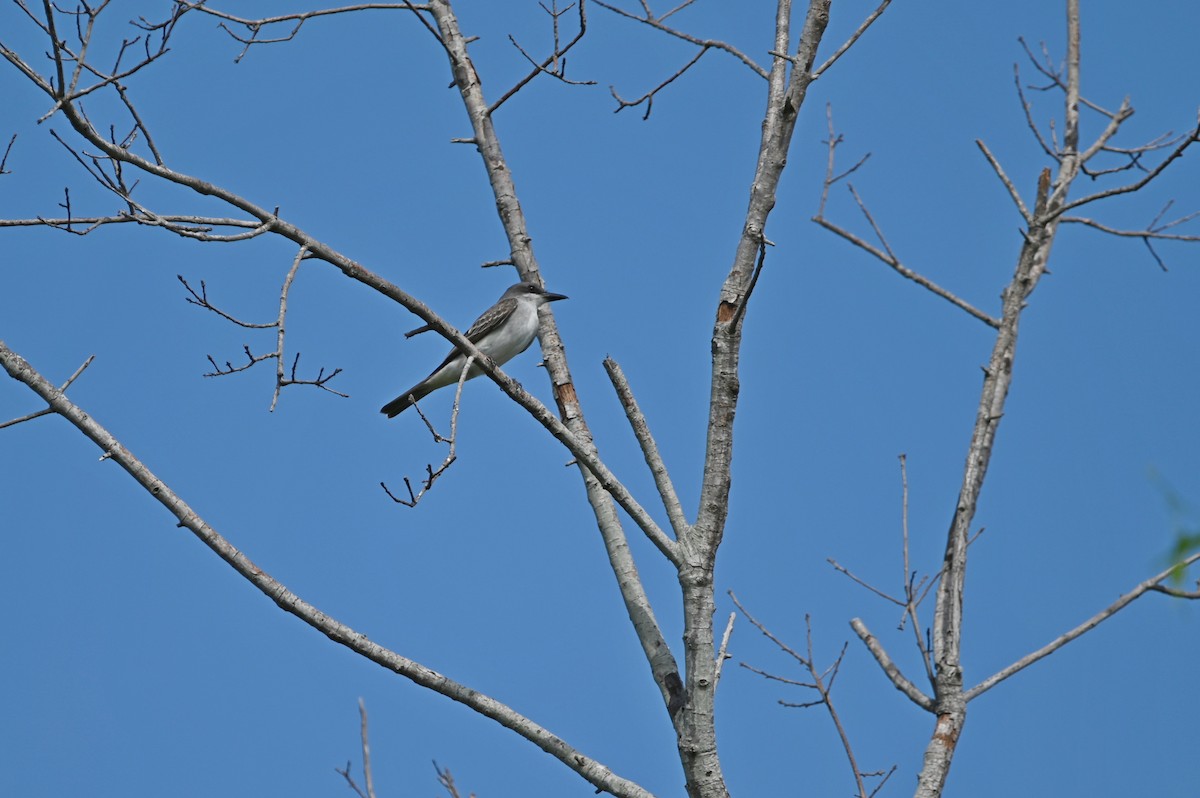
(4, 158)
(822, 684)
(904, 271)
(1008, 184)
(1153, 584)
(550, 65)
(47, 411)
(432, 474)
(854, 37)
(281, 324)
(648, 97)
(705, 43)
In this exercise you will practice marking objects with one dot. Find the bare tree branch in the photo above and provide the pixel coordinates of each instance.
(591, 770)
(898, 679)
(1012, 190)
(654, 461)
(368, 777)
(648, 97)
(256, 26)
(446, 780)
(282, 379)
(1153, 584)
(62, 389)
(551, 64)
(432, 474)
(822, 684)
(7, 152)
(707, 44)
(854, 37)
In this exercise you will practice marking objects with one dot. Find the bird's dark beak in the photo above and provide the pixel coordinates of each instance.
(554, 297)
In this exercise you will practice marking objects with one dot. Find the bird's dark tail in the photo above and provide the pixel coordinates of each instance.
(402, 402)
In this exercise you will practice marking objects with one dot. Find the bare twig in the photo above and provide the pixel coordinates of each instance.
(4, 158)
(201, 300)
(886, 254)
(256, 26)
(1027, 108)
(1147, 236)
(906, 272)
(198, 227)
(911, 601)
(843, 570)
(551, 64)
(366, 757)
(282, 378)
(446, 780)
(657, 23)
(648, 97)
(1137, 184)
(61, 388)
(854, 37)
(821, 684)
(999, 170)
(1153, 584)
(432, 474)
(832, 143)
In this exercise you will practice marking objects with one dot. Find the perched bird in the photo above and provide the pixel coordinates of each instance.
(505, 330)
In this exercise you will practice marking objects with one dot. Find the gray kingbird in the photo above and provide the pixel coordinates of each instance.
(505, 330)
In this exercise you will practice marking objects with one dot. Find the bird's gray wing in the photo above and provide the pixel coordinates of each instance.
(492, 318)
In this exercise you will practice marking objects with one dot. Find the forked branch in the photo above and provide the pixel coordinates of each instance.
(282, 378)
(432, 474)
(883, 252)
(822, 684)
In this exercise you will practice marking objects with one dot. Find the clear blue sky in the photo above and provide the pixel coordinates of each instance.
(137, 663)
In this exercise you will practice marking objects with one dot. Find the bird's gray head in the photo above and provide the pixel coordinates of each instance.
(541, 295)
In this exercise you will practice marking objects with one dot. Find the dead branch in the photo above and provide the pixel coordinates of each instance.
(832, 143)
(654, 461)
(594, 772)
(1151, 233)
(62, 389)
(1151, 585)
(4, 158)
(432, 474)
(890, 668)
(368, 777)
(706, 44)
(648, 97)
(197, 226)
(555, 64)
(854, 37)
(254, 27)
(446, 780)
(821, 684)
(1008, 184)
(282, 378)
(886, 254)
(895, 263)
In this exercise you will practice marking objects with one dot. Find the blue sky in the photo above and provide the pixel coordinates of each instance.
(138, 663)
